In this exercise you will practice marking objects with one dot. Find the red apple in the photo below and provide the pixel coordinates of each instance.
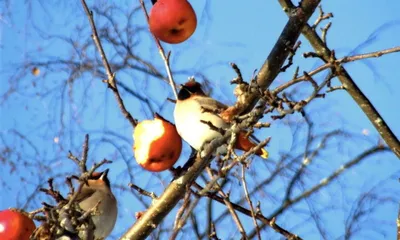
(15, 225)
(157, 144)
(172, 21)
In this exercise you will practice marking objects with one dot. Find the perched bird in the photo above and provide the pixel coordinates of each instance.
(96, 191)
(197, 119)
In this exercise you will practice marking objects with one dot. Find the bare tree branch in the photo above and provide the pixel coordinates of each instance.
(351, 87)
(324, 182)
(276, 58)
(111, 82)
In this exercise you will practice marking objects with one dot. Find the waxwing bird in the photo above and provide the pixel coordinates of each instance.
(98, 192)
(194, 111)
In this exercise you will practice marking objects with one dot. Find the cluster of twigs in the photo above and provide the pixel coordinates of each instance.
(323, 52)
(66, 217)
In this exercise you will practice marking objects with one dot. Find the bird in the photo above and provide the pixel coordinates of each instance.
(96, 191)
(198, 120)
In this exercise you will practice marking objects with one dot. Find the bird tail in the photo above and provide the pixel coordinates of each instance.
(264, 154)
(245, 144)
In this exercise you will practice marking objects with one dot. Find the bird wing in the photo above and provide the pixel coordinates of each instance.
(85, 193)
(211, 104)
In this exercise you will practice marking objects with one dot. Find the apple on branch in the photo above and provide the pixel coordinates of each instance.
(15, 225)
(157, 144)
(172, 21)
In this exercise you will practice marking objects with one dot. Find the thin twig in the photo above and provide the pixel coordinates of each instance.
(329, 179)
(213, 232)
(227, 202)
(85, 152)
(111, 82)
(331, 64)
(291, 55)
(324, 31)
(179, 221)
(322, 16)
(140, 190)
(332, 89)
(33, 213)
(164, 56)
(398, 224)
(239, 78)
(246, 193)
(247, 212)
(227, 168)
(182, 221)
(225, 198)
(324, 182)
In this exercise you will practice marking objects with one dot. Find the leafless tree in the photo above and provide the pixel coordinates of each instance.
(98, 77)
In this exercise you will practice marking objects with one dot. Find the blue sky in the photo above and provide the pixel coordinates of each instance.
(228, 31)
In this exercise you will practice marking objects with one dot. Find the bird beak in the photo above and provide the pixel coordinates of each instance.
(104, 174)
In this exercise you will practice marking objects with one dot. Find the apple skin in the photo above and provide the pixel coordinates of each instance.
(172, 21)
(15, 225)
(157, 145)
